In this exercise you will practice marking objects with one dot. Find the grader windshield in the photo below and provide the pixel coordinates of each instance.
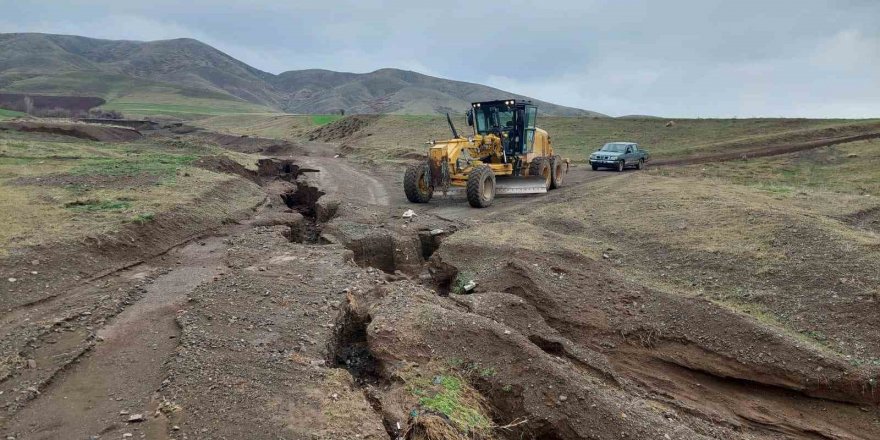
(494, 118)
(513, 120)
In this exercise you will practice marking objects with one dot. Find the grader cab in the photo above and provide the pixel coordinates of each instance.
(507, 154)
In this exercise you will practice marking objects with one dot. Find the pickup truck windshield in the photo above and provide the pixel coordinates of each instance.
(614, 148)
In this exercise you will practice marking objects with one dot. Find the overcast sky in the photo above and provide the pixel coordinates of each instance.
(696, 58)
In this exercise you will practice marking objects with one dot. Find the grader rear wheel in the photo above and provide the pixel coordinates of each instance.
(559, 168)
(416, 185)
(541, 167)
(481, 187)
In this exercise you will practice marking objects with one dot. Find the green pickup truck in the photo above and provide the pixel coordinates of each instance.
(619, 156)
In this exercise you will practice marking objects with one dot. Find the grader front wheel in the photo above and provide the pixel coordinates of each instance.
(481, 187)
(416, 185)
(541, 167)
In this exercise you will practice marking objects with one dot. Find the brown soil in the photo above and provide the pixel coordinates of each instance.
(316, 316)
(92, 132)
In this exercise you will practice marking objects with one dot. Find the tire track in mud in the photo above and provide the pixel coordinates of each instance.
(121, 372)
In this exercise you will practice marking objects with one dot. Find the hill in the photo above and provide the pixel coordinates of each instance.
(184, 75)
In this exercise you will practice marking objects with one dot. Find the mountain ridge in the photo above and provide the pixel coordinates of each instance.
(113, 69)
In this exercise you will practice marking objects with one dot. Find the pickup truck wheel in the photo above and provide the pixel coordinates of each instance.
(481, 187)
(558, 166)
(416, 185)
(620, 166)
(641, 164)
(595, 167)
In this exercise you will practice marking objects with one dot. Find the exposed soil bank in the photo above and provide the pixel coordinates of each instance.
(92, 132)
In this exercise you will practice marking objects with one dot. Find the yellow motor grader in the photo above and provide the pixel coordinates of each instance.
(507, 154)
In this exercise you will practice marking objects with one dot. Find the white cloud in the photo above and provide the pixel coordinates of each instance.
(848, 50)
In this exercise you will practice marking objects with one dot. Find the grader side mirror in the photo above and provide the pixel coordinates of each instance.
(470, 118)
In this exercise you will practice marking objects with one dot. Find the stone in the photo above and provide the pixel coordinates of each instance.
(136, 418)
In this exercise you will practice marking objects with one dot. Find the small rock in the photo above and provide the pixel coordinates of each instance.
(32, 364)
(136, 418)
(175, 428)
(127, 435)
(563, 398)
(123, 413)
(12, 280)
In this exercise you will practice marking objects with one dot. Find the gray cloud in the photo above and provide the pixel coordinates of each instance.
(707, 58)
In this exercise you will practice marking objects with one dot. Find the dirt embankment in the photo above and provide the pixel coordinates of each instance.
(559, 341)
(342, 129)
(73, 104)
(92, 132)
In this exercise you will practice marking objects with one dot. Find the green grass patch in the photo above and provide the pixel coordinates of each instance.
(142, 218)
(9, 114)
(92, 205)
(451, 396)
(325, 119)
(461, 280)
(163, 165)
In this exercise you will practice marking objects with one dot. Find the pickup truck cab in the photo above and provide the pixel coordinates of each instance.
(619, 156)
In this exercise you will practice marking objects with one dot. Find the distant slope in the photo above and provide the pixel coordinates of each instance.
(182, 69)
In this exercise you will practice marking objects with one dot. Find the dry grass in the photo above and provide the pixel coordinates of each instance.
(90, 187)
(848, 168)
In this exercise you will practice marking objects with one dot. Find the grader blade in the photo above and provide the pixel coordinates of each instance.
(520, 185)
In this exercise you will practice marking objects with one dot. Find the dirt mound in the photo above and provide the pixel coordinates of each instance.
(868, 219)
(420, 339)
(342, 129)
(101, 133)
(223, 164)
